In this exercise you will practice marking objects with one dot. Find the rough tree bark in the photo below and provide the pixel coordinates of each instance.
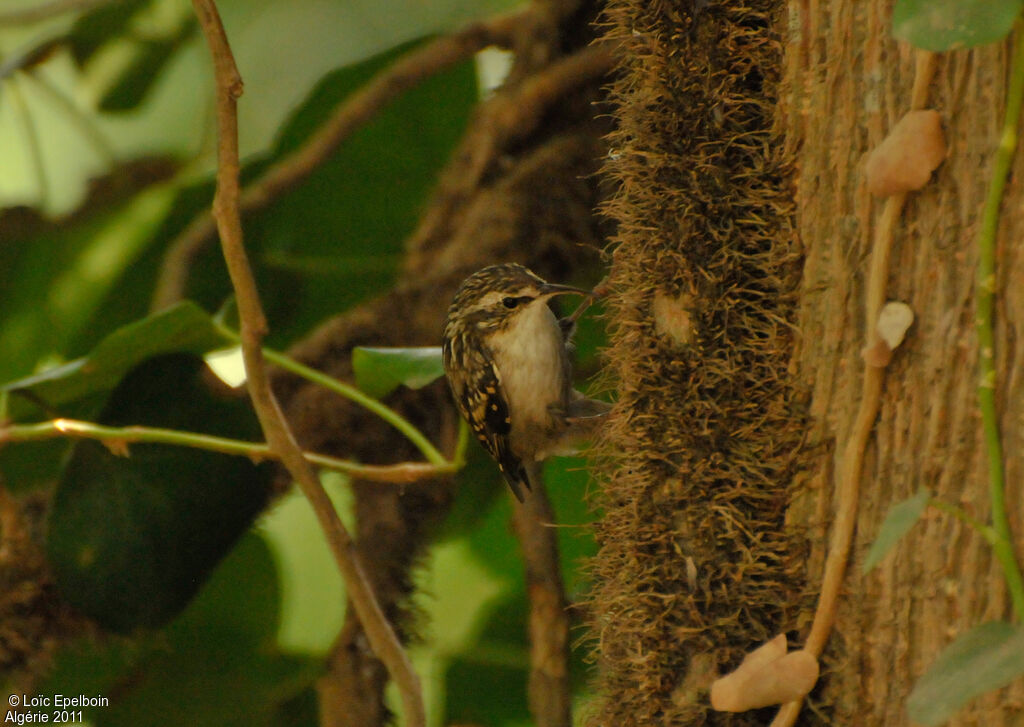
(791, 96)
(846, 83)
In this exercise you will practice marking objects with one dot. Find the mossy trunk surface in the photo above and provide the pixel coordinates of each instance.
(696, 563)
(739, 273)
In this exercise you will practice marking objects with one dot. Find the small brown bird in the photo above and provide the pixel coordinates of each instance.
(507, 361)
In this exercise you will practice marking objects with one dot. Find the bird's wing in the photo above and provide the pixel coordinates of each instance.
(482, 402)
(492, 409)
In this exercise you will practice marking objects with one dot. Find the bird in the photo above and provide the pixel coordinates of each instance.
(507, 360)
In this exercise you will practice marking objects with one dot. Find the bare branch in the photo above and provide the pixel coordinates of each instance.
(226, 211)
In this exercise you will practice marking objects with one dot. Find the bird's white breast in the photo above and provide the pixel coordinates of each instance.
(529, 356)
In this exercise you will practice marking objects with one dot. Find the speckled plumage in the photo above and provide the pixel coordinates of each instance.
(507, 361)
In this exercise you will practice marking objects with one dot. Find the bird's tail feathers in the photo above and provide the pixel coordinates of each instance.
(523, 479)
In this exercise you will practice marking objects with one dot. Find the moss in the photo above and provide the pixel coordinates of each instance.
(696, 565)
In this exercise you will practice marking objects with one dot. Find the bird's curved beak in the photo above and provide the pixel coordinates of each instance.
(550, 289)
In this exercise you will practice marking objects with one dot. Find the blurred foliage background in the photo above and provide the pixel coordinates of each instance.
(106, 153)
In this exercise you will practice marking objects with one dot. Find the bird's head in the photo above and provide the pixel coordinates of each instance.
(494, 297)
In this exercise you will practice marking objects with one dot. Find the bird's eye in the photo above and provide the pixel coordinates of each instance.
(510, 302)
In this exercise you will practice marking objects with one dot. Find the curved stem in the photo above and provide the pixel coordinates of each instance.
(117, 439)
(1003, 546)
(380, 634)
(850, 470)
(352, 393)
(385, 412)
(960, 514)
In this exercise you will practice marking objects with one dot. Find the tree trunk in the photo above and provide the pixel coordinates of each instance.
(742, 131)
(847, 83)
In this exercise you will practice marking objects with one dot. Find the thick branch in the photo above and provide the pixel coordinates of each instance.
(379, 632)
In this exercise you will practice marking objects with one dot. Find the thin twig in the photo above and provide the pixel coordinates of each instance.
(1003, 546)
(405, 73)
(118, 437)
(850, 470)
(350, 392)
(353, 394)
(379, 632)
(549, 694)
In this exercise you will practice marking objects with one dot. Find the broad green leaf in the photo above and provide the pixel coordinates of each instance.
(337, 240)
(900, 519)
(216, 664)
(483, 690)
(54, 276)
(312, 593)
(241, 602)
(940, 25)
(309, 37)
(379, 371)
(95, 28)
(987, 657)
(302, 710)
(132, 538)
(182, 328)
(146, 69)
(221, 666)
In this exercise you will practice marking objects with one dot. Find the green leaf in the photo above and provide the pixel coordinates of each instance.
(216, 665)
(313, 598)
(182, 328)
(900, 519)
(379, 371)
(54, 275)
(95, 28)
(338, 238)
(241, 603)
(940, 25)
(221, 667)
(481, 690)
(132, 538)
(145, 70)
(987, 657)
